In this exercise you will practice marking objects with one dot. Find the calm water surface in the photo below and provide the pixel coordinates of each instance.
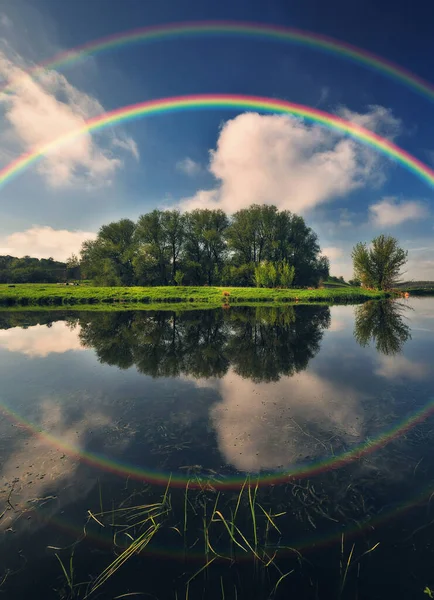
(293, 448)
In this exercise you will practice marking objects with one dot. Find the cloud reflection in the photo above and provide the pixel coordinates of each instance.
(271, 426)
(41, 340)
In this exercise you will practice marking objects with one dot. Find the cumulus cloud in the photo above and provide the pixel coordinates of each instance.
(39, 110)
(390, 212)
(332, 252)
(42, 242)
(188, 166)
(40, 340)
(281, 160)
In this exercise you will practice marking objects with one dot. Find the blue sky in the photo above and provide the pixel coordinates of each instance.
(217, 159)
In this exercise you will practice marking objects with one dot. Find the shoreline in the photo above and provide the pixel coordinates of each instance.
(50, 296)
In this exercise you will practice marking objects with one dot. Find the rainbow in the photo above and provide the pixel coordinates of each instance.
(254, 31)
(300, 471)
(231, 102)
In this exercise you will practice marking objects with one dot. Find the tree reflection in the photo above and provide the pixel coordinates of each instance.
(260, 343)
(270, 342)
(382, 322)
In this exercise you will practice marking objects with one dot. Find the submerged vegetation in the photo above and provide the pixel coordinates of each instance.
(223, 531)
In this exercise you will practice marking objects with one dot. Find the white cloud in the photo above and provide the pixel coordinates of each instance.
(390, 212)
(38, 111)
(42, 242)
(278, 159)
(188, 166)
(332, 252)
(40, 341)
(378, 118)
(127, 144)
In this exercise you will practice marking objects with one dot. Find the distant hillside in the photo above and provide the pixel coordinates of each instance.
(332, 282)
(32, 270)
(409, 285)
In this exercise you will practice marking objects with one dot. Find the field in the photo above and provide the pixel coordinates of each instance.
(68, 295)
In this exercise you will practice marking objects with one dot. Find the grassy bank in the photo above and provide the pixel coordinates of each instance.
(61, 295)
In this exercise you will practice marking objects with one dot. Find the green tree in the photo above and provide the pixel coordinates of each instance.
(73, 267)
(379, 266)
(174, 224)
(110, 257)
(179, 277)
(152, 260)
(241, 276)
(261, 233)
(355, 282)
(286, 274)
(205, 246)
(251, 233)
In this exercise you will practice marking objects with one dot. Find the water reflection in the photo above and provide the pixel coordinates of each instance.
(216, 394)
(259, 343)
(383, 323)
(40, 340)
(271, 427)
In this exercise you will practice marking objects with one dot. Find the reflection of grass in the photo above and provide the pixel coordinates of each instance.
(52, 294)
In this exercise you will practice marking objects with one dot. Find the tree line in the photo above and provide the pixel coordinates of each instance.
(33, 270)
(257, 246)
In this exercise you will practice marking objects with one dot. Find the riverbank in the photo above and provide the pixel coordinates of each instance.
(51, 295)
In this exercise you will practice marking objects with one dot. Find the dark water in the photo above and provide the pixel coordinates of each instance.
(214, 422)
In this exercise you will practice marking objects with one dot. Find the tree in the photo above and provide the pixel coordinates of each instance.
(173, 224)
(73, 267)
(251, 234)
(286, 274)
(179, 277)
(151, 262)
(110, 256)
(355, 282)
(205, 246)
(261, 233)
(379, 265)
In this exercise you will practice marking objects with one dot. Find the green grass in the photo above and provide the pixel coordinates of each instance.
(336, 284)
(51, 295)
